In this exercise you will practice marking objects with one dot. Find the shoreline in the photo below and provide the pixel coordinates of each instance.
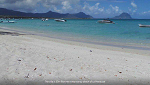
(31, 59)
(114, 42)
(104, 46)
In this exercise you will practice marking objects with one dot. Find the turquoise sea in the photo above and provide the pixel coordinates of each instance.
(124, 33)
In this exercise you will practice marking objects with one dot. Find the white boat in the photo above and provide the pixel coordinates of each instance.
(7, 22)
(11, 22)
(44, 19)
(140, 25)
(106, 21)
(60, 20)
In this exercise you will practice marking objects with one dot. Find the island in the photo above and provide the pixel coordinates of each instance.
(124, 15)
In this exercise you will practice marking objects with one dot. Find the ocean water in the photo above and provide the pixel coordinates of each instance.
(124, 33)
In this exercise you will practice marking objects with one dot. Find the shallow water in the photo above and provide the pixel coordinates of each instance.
(125, 33)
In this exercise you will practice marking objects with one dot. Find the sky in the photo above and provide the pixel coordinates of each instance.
(97, 8)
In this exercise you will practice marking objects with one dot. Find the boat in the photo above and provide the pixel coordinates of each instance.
(44, 19)
(60, 20)
(7, 22)
(11, 22)
(140, 25)
(106, 21)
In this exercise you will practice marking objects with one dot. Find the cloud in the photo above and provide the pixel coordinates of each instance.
(10, 1)
(133, 4)
(146, 12)
(113, 10)
(66, 5)
(116, 8)
(31, 5)
(62, 6)
(99, 11)
(133, 10)
(19, 5)
(95, 9)
(117, 1)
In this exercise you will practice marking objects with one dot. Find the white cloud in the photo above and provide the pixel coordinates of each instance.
(146, 12)
(113, 10)
(53, 7)
(133, 10)
(116, 8)
(133, 4)
(66, 6)
(62, 6)
(31, 5)
(92, 9)
(98, 10)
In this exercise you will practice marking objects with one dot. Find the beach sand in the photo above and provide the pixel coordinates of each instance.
(36, 60)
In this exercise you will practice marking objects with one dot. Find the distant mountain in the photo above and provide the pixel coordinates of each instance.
(50, 14)
(123, 16)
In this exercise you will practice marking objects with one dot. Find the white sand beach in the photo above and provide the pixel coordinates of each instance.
(30, 59)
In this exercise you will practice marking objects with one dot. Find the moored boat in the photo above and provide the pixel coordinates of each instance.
(106, 21)
(43, 19)
(60, 20)
(7, 22)
(140, 25)
(11, 22)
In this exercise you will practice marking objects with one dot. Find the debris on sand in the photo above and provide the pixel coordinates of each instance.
(119, 72)
(35, 68)
(27, 76)
(70, 69)
(19, 60)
